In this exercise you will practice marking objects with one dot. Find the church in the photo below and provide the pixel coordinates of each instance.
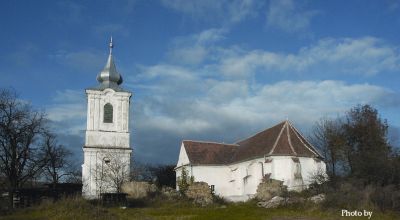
(107, 151)
(234, 171)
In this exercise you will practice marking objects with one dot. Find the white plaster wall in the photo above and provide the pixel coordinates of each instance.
(246, 176)
(119, 101)
(284, 167)
(183, 157)
(107, 139)
(213, 175)
(94, 166)
(310, 168)
(239, 179)
(239, 182)
(101, 139)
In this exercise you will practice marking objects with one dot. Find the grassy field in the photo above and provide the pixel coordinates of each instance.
(81, 209)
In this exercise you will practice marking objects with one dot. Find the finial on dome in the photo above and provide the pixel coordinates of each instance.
(111, 45)
(109, 77)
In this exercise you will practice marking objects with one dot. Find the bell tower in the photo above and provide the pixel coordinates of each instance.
(107, 151)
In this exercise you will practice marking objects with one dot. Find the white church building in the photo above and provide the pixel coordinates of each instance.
(235, 170)
(107, 151)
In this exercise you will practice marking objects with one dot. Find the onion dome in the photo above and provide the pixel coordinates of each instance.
(109, 77)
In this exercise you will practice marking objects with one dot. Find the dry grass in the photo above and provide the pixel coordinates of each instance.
(69, 208)
(180, 209)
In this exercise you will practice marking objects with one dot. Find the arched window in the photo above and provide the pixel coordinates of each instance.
(108, 113)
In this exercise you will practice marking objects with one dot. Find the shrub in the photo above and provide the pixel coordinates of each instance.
(219, 200)
(386, 198)
(349, 195)
(169, 193)
(184, 181)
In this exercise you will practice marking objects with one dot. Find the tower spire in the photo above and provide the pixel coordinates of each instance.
(111, 45)
(109, 77)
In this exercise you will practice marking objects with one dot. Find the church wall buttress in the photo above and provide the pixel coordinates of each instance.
(91, 111)
(96, 113)
(126, 115)
(91, 118)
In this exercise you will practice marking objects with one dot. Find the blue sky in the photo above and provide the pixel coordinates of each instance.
(204, 70)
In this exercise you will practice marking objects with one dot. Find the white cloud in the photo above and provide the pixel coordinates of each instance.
(209, 36)
(166, 72)
(63, 112)
(393, 5)
(221, 94)
(68, 111)
(224, 11)
(219, 104)
(178, 126)
(189, 55)
(218, 98)
(196, 48)
(286, 15)
(182, 104)
(68, 96)
(363, 56)
(226, 111)
(219, 91)
(86, 60)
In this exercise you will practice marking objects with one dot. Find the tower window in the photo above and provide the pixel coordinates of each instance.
(108, 113)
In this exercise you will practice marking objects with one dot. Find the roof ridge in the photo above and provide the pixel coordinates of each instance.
(297, 133)
(288, 136)
(265, 129)
(277, 139)
(211, 142)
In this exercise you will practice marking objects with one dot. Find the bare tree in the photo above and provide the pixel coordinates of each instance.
(58, 163)
(111, 172)
(328, 136)
(164, 175)
(75, 174)
(20, 127)
(141, 172)
(117, 171)
(161, 175)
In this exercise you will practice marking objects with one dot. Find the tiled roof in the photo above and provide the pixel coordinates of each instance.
(281, 139)
(209, 152)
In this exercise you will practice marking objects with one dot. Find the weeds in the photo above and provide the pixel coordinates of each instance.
(159, 208)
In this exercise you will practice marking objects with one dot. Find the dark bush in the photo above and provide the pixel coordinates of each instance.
(386, 198)
(348, 196)
(219, 200)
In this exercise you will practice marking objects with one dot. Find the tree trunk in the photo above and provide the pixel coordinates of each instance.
(11, 199)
